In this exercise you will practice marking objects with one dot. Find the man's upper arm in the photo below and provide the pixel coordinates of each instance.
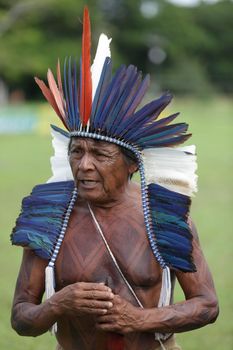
(199, 283)
(30, 283)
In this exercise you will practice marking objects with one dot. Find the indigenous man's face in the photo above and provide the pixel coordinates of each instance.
(100, 170)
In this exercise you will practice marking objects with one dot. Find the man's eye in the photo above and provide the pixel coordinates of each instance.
(76, 151)
(99, 154)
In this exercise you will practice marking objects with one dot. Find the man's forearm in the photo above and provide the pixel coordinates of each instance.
(180, 317)
(32, 320)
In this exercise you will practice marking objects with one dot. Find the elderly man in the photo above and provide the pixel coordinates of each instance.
(110, 242)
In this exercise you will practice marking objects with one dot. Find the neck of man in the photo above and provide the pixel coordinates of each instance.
(119, 201)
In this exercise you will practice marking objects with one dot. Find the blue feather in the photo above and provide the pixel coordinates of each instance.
(110, 94)
(161, 133)
(70, 91)
(61, 131)
(69, 120)
(149, 112)
(173, 141)
(169, 213)
(39, 223)
(127, 85)
(139, 93)
(154, 127)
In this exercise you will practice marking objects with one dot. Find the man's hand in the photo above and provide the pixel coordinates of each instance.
(83, 298)
(121, 318)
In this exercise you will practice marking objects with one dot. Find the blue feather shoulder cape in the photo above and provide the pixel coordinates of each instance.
(43, 211)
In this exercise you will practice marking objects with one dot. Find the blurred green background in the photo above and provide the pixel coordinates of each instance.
(187, 50)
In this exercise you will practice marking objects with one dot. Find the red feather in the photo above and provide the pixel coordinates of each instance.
(86, 83)
(115, 341)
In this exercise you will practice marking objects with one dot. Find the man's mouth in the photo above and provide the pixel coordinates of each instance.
(88, 183)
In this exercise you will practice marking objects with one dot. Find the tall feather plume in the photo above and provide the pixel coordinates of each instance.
(86, 83)
(102, 52)
(104, 81)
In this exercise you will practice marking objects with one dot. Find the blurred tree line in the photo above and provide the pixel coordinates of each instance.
(186, 50)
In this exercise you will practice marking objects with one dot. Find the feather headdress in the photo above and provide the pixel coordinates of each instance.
(104, 106)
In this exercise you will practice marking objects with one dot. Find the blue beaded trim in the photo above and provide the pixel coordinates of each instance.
(144, 189)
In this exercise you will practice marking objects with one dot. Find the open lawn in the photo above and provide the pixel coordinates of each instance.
(24, 163)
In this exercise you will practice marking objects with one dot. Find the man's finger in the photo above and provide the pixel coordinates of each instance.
(99, 295)
(97, 312)
(93, 286)
(95, 304)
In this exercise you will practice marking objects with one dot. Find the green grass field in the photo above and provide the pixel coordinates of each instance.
(24, 163)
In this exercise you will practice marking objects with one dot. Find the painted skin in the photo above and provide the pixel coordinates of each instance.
(84, 306)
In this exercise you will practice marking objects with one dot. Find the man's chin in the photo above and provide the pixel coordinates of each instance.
(94, 198)
(90, 195)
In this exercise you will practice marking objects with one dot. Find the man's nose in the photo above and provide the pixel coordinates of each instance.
(86, 162)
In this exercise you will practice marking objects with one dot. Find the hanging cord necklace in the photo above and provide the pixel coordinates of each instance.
(117, 266)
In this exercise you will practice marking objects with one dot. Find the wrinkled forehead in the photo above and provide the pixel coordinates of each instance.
(91, 143)
(108, 146)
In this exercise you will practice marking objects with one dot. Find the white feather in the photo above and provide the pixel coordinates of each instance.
(172, 168)
(50, 291)
(103, 51)
(59, 162)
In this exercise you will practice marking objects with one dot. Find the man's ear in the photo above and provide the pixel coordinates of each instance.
(133, 168)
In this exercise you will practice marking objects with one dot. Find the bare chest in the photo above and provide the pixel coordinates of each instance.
(84, 257)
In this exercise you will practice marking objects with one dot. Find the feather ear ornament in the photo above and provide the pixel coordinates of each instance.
(172, 168)
(59, 162)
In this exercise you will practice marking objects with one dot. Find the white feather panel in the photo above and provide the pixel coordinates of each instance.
(59, 162)
(102, 51)
(172, 168)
